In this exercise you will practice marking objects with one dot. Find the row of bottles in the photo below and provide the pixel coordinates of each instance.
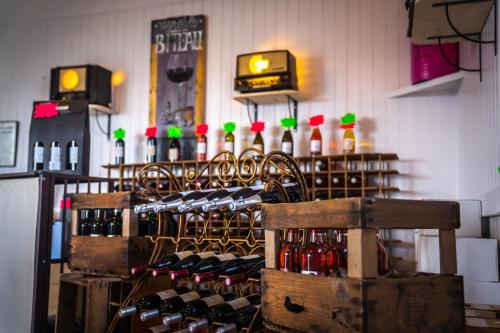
(319, 256)
(100, 222)
(55, 162)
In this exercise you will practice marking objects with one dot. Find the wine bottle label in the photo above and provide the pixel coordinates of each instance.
(201, 147)
(55, 158)
(119, 152)
(348, 144)
(213, 300)
(167, 294)
(313, 273)
(173, 154)
(229, 145)
(159, 329)
(258, 147)
(205, 255)
(38, 155)
(286, 147)
(73, 155)
(225, 256)
(184, 254)
(250, 257)
(239, 303)
(190, 296)
(316, 146)
(151, 150)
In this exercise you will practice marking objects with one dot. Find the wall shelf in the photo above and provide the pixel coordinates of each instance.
(445, 85)
(269, 97)
(102, 109)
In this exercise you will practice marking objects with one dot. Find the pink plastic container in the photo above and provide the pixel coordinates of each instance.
(427, 62)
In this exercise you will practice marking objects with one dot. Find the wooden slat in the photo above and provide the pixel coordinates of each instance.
(104, 200)
(447, 252)
(96, 309)
(130, 226)
(272, 248)
(74, 222)
(362, 249)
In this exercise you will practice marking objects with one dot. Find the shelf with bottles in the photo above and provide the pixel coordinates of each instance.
(349, 284)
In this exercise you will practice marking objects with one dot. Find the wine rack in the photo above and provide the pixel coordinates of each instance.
(363, 301)
(373, 170)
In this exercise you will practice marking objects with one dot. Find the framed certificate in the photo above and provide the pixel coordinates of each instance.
(8, 143)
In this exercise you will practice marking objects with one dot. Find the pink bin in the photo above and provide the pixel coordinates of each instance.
(427, 62)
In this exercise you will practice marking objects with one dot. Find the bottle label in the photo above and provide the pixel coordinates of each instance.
(348, 144)
(165, 294)
(239, 303)
(55, 158)
(313, 273)
(38, 155)
(315, 146)
(213, 300)
(229, 145)
(189, 296)
(119, 152)
(225, 256)
(250, 257)
(173, 154)
(205, 255)
(151, 150)
(286, 147)
(201, 147)
(258, 147)
(73, 155)
(184, 254)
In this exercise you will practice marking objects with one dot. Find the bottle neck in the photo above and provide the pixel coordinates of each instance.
(293, 236)
(316, 236)
(316, 134)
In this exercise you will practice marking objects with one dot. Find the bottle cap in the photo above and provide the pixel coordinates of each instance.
(127, 311)
(138, 269)
(150, 314)
(198, 325)
(203, 277)
(234, 279)
(229, 328)
(172, 319)
(160, 272)
(176, 275)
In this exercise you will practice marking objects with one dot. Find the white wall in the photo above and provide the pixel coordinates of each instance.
(350, 55)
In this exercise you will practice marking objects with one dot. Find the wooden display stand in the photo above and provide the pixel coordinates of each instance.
(108, 254)
(363, 301)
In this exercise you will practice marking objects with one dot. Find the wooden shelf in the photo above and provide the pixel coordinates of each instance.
(102, 108)
(430, 21)
(269, 97)
(445, 85)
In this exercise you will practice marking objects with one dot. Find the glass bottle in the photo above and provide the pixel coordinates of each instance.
(287, 142)
(115, 224)
(229, 142)
(38, 152)
(338, 253)
(348, 141)
(96, 227)
(85, 223)
(152, 223)
(174, 150)
(55, 156)
(290, 254)
(258, 143)
(316, 143)
(119, 151)
(72, 155)
(201, 148)
(151, 144)
(315, 255)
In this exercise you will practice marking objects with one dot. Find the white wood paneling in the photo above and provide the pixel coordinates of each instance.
(349, 55)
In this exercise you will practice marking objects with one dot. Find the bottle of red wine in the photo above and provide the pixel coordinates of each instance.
(237, 320)
(235, 266)
(206, 265)
(197, 308)
(174, 304)
(252, 273)
(185, 263)
(151, 301)
(163, 262)
(218, 312)
(262, 197)
(38, 152)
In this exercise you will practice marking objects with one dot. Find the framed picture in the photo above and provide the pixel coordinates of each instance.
(8, 143)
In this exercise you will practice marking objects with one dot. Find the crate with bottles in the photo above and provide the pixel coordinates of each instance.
(327, 271)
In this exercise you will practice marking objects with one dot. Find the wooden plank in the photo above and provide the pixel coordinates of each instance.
(431, 303)
(74, 222)
(447, 252)
(362, 249)
(272, 248)
(340, 213)
(96, 309)
(130, 226)
(66, 309)
(104, 200)
(330, 304)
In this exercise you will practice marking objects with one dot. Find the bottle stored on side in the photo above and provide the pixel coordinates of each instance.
(209, 264)
(38, 154)
(252, 273)
(235, 266)
(237, 320)
(185, 264)
(263, 197)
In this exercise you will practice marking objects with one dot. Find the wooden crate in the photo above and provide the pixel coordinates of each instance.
(482, 318)
(363, 301)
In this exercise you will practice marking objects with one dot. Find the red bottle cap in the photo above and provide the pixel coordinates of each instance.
(235, 279)
(203, 277)
(160, 272)
(176, 275)
(138, 269)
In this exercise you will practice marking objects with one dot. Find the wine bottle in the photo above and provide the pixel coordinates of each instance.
(38, 152)
(315, 255)
(348, 141)
(186, 263)
(152, 224)
(235, 266)
(218, 312)
(163, 262)
(263, 197)
(119, 151)
(209, 264)
(55, 156)
(84, 229)
(356, 181)
(291, 251)
(220, 203)
(115, 223)
(237, 320)
(72, 155)
(320, 181)
(316, 142)
(338, 181)
(174, 304)
(287, 142)
(176, 204)
(151, 144)
(196, 204)
(229, 142)
(252, 273)
(174, 150)
(197, 308)
(201, 142)
(96, 228)
(258, 143)
(337, 258)
(151, 301)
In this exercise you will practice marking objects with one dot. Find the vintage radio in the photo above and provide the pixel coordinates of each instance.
(265, 71)
(86, 82)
